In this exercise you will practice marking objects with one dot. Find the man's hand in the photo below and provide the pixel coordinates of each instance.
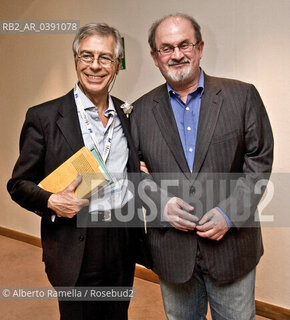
(143, 167)
(176, 213)
(212, 225)
(65, 203)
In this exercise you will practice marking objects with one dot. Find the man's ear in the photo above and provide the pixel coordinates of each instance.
(200, 49)
(118, 66)
(154, 57)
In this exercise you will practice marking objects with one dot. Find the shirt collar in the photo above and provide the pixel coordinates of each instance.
(199, 88)
(87, 103)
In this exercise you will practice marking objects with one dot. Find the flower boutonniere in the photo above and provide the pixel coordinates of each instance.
(127, 108)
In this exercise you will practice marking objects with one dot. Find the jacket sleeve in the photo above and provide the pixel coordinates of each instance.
(242, 203)
(29, 168)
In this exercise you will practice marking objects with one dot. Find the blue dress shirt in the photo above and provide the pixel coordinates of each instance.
(186, 117)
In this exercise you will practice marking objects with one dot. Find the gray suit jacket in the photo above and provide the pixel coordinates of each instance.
(235, 146)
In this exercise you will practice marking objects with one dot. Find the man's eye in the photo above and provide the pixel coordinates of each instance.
(166, 49)
(184, 46)
(86, 56)
(106, 59)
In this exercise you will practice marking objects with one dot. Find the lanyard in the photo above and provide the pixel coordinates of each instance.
(86, 120)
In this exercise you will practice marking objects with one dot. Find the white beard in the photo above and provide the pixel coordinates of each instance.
(180, 75)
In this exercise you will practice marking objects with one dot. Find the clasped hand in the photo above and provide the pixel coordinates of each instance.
(65, 203)
(176, 212)
(212, 225)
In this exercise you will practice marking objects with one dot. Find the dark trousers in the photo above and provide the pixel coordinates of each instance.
(107, 262)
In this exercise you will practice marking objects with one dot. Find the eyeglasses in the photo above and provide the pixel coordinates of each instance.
(102, 60)
(183, 47)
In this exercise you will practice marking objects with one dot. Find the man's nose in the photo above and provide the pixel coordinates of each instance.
(177, 54)
(95, 64)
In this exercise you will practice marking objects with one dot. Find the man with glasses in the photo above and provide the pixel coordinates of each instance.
(54, 131)
(206, 142)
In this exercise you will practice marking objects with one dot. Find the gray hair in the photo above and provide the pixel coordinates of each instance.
(155, 25)
(101, 29)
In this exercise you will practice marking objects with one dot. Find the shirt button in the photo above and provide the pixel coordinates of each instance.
(188, 128)
(81, 238)
(192, 189)
(187, 108)
(190, 149)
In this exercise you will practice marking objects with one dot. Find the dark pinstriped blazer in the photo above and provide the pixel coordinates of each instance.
(234, 136)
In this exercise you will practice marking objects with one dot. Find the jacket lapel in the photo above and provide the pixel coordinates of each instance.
(165, 119)
(133, 160)
(68, 123)
(123, 118)
(210, 107)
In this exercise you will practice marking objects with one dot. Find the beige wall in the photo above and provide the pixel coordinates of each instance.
(248, 40)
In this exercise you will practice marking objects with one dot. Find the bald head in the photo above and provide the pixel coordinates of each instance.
(171, 20)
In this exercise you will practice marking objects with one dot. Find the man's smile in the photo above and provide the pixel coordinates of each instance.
(173, 63)
(94, 77)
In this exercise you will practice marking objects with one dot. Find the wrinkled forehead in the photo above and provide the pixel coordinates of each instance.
(174, 30)
(96, 42)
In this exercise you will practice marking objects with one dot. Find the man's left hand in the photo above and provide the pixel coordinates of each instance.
(143, 167)
(212, 225)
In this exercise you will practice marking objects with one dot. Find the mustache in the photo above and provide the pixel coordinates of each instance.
(174, 62)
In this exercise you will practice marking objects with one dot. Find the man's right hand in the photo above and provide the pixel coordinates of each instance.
(65, 203)
(176, 213)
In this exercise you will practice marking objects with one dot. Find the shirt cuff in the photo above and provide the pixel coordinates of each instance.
(228, 221)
